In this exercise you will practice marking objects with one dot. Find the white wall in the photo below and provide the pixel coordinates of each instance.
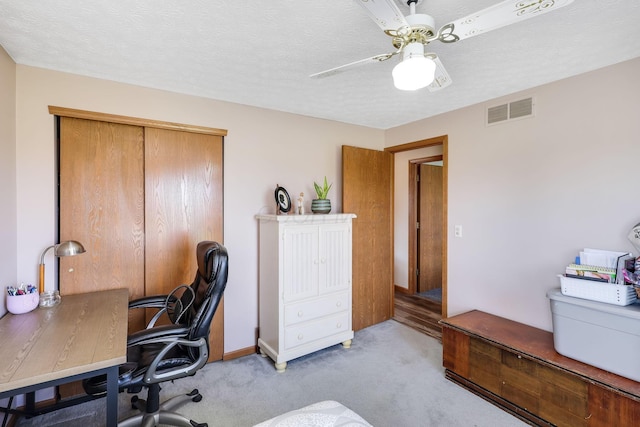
(401, 210)
(263, 148)
(8, 213)
(531, 193)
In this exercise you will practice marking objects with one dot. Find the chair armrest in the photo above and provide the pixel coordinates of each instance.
(170, 336)
(158, 334)
(154, 301)
(152, 376)
(158, 302)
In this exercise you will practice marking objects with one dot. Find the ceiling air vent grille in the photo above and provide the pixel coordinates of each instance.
(511, 111)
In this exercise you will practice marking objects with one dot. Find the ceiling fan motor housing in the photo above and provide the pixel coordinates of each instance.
(421, 20)
(421, 30)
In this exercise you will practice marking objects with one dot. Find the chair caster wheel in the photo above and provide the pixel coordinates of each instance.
(134, 399)
(195, 395)
(195, 424)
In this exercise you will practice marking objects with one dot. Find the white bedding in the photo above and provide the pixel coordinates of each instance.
(322, 414)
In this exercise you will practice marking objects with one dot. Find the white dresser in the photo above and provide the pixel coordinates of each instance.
(305, 284)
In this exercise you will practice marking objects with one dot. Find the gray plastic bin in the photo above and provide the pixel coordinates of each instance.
(604, 335)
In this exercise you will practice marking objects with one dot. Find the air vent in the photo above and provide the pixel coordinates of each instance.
(511, 111)
(522, 108)
(497, 114)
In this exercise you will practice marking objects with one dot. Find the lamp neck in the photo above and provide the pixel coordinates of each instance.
(45, 252)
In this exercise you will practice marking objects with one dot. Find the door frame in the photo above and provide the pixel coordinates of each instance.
(442, 140)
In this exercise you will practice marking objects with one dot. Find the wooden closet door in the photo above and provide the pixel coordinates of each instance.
(139, 195)
(102, 205)
(184, 189)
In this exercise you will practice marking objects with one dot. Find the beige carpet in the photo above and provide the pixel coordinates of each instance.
(392, 376)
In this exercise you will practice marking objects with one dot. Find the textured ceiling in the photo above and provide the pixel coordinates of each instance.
(261, 53)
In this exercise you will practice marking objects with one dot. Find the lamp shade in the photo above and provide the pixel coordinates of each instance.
(415, 71)
(68, 248)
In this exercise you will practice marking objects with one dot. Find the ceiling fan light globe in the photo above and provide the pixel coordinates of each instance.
(415, 72)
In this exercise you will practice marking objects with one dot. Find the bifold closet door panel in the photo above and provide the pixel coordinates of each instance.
(102, 205)
(183, 206)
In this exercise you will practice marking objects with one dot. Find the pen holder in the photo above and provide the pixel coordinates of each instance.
(49, 298)
(19, 304)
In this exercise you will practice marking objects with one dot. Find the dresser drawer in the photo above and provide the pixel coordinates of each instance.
(315, 308)
(300, 334)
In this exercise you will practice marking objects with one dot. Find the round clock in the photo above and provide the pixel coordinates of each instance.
(283, 200)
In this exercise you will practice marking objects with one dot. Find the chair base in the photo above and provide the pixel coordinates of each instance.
(164, 415)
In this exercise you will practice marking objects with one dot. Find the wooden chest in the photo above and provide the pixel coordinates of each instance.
(516, 367)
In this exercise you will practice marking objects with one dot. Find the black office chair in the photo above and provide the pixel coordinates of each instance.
(167, 352)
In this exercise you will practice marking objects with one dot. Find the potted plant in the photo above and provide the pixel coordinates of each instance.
(321, 205)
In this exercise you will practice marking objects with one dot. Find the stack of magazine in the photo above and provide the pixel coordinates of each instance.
(600, 276)
(591, 272)
(600, 266)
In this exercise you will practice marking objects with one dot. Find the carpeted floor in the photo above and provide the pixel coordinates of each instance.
(433, 294)
(392, 376)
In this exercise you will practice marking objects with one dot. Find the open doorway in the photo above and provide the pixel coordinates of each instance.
(370, 190)
(420, 274)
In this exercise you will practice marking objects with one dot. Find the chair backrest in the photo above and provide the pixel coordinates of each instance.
(208, 286)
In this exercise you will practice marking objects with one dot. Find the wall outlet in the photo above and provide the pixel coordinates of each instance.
(457, 231)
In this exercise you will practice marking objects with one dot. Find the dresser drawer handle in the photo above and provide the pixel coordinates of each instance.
(338, 325)
(300, 337)
(339, 304)
(300, 313)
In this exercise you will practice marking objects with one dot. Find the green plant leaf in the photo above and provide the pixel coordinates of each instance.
(322, 192)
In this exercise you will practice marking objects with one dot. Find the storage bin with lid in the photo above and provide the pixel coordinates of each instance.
(606, 336)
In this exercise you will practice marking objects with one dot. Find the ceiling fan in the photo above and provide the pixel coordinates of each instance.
(412, 33)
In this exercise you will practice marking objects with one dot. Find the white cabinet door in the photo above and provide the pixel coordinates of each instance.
(335, 258)
(300, 262)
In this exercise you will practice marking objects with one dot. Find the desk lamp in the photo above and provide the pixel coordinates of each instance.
(68, 248)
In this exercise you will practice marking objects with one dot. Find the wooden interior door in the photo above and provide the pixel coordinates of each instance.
(183, 175)
(430, 231)
(367, 191)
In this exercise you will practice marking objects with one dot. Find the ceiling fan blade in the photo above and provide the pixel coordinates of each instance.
(442, 79)
(342, 68)
(385, 13)
(496, 16)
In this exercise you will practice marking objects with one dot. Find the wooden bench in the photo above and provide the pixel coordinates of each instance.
(516, 367)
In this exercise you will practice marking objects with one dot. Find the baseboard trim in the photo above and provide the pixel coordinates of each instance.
(401, 290)
(239, 353)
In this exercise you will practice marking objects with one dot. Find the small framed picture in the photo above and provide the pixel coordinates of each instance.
(283, 201)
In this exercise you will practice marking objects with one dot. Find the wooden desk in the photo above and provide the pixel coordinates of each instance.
(83, 336)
